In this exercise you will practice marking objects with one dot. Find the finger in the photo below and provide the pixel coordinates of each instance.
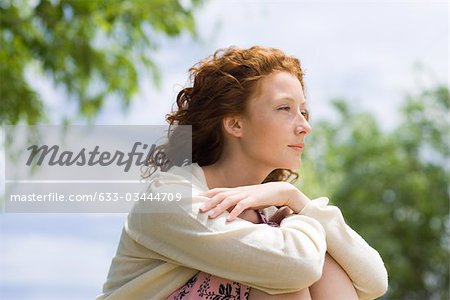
(211, 203)
(237, 210)
(218, 198)
(225, 204)
(212, 192)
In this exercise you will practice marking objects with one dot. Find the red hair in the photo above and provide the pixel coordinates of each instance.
(221, 86)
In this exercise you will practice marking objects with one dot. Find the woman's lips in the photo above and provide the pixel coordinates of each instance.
(297, 147)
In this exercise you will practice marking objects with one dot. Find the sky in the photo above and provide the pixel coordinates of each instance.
(366, 52)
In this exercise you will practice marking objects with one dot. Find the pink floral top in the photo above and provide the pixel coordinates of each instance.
(207, 286)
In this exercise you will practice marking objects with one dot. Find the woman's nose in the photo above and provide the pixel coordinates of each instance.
(303, 126)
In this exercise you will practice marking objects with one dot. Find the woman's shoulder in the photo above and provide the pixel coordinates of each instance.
(171, 191)
(188, 176)
(179, 182)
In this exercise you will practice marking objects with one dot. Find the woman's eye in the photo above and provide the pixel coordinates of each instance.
(305, 115)
(286, 108)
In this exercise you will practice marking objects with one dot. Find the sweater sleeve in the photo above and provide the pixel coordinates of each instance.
(362, 263)
(274, 260)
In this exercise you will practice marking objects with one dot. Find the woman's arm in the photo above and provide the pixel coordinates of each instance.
(239, 250)
(252, 197)
(334, 283)
(361, 262)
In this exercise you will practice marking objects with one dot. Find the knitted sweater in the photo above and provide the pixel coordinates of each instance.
(159, 252)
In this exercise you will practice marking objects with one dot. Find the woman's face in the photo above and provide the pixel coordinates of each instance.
(275, 125)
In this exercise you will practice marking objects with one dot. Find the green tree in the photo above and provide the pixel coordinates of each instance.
(393, 187)
(90, 48)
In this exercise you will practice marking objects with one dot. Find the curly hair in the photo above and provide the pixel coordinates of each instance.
(222, 84)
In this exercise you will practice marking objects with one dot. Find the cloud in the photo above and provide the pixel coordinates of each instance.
(363, 51)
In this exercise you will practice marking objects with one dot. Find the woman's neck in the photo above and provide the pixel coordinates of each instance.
(232, 174)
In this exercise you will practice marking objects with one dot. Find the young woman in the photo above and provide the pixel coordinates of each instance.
(245, 232)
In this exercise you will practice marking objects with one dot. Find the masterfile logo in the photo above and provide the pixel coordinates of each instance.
(90, 168)
(91, 158)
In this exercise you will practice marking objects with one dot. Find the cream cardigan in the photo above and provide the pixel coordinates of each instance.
(159, 252)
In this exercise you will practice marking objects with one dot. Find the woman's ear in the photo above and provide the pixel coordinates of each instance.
(232, 125)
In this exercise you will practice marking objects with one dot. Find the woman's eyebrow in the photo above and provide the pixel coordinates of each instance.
(303, 102)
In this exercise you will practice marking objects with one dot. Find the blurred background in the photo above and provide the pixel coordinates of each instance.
(377, 86)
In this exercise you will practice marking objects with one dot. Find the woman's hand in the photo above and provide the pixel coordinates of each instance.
(253, 197)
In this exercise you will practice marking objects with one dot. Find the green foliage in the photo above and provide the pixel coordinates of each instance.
(393, 188)
(94, 49)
